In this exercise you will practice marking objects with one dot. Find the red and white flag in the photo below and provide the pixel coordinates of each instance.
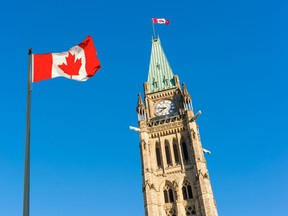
(160, 21)
(78, 63)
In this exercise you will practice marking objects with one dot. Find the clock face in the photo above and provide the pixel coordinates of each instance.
(164, 107)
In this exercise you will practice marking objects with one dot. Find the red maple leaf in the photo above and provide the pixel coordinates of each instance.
(72, 67)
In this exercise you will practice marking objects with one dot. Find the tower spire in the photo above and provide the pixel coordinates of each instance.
(160, 76)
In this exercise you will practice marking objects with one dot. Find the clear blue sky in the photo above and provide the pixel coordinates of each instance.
(232, 55)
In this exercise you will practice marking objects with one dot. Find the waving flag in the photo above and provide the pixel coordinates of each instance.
(78, 63)
(160, 21)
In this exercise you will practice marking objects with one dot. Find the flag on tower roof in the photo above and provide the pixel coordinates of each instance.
(160, 21)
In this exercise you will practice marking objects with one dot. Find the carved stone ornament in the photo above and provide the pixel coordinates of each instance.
(199, 174)
(144, 144)
(175, 185)
(149, 185)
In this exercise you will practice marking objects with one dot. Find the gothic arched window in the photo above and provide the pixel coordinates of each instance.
(187, 190)
(185, 152)
(158, 155)
(168, 155)
(176, 154)
(168, 194)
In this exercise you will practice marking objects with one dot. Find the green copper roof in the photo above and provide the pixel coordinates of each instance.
(160, 75)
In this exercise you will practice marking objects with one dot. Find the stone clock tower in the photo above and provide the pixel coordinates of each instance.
(175, 176)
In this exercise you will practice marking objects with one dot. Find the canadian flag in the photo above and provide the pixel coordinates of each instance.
(160, 21)
(78, 63)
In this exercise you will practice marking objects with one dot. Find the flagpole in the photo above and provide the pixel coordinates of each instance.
(26, 203)
(154, 34)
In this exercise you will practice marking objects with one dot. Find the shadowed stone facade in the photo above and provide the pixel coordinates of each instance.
(175, 176)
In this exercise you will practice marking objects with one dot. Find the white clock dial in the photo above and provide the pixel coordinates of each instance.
(164, 107)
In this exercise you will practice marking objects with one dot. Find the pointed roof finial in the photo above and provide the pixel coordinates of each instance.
(140, 102)
(185, 91)
(140, 106)
(186, 95)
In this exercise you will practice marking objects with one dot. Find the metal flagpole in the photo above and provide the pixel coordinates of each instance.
(27, 150)
(154, 34)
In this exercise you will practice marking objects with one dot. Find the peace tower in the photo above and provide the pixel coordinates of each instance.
(175, 176)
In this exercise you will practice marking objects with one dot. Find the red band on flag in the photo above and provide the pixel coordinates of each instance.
(42, 67)
(92, 62)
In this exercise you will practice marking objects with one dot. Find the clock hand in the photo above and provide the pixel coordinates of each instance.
(162, 108)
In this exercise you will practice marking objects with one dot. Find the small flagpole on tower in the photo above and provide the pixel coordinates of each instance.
(26, 203)
(154, 33)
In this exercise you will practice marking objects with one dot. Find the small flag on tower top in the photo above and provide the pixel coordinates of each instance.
(78, 63)
(160, 21)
